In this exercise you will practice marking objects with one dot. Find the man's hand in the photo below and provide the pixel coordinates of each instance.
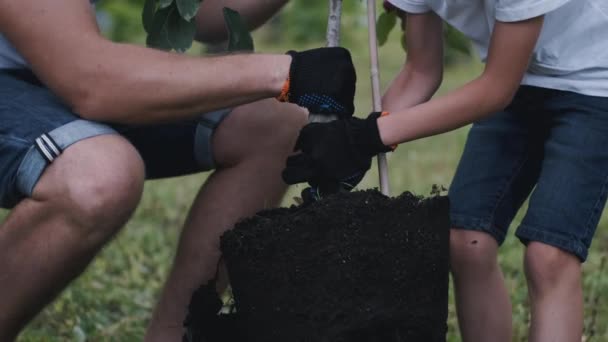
(322, 80)
(336, 154)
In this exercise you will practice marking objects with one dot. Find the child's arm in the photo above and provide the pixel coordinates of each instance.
(341, 151)
(423, 70)
(510, 49)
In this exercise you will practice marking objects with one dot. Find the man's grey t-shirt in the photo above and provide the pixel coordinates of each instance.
(9, 57)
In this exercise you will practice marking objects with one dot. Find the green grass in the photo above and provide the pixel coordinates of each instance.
(113, 300)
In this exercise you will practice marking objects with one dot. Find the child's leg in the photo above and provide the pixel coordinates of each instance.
(556, 295)
(564, 211)
(498, 169)
(482, 300)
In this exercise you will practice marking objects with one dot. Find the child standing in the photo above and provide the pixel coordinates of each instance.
(540, 114)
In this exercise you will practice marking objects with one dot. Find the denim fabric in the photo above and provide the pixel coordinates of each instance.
(548, 144)
(29, 111)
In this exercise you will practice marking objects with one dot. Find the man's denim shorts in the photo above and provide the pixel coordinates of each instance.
(36, 126)
(548, 144)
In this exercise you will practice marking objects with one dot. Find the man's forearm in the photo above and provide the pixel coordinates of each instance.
(140, 85)
(210, 21)
(123, 83)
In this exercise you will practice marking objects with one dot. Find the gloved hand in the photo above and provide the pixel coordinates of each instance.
(321, 80)
(335, 155)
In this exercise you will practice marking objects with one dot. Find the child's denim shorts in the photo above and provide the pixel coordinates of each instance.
(548, 144)
(35, 126)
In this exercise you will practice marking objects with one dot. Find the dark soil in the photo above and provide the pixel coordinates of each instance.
(355, 267)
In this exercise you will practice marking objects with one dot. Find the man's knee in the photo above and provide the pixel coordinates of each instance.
(96, 182)
(264, 128)
(472, 251)
(285, 127)
(547, 267)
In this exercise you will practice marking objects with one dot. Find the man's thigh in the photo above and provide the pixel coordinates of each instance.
(36, 126)
(179, 148)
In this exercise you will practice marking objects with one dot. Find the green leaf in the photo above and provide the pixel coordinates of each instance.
(238, 33)
(164, 3)
(188, 8)
(384, 26)
(180, 32)
(168, 30)
(457, 41)
(158, 36)
(147, 16)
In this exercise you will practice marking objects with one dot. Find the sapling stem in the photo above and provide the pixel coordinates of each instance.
(377, 99)
(333, 23)
(334, 19)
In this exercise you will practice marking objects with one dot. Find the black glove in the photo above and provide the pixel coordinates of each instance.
(335, 155)
(322, 80)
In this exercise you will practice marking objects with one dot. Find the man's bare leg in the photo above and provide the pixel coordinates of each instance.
(482, 300)
(81, 200)
(250, 146)
(556, 294)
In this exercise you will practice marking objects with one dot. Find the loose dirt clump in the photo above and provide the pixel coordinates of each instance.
(354, 267)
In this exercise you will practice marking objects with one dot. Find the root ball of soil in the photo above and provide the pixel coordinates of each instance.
(354, 267)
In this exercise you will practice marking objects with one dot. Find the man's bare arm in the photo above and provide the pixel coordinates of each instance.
(210, 19)
(423, 70)
(510, 50)
(106, 81)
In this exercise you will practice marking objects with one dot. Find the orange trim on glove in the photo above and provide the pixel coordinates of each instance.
(284, 95)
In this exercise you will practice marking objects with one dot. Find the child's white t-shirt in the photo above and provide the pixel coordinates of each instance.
(572, 50)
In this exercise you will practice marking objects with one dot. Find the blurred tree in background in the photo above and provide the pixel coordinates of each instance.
(306, 21)
(121, 20)
(301, 22)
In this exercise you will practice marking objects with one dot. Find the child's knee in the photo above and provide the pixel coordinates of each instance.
(548, 267)
(472, 251)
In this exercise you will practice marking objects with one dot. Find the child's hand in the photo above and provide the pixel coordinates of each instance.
(335, 153)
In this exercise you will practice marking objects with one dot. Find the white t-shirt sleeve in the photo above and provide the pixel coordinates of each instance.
(411, 6)
(518, 10)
